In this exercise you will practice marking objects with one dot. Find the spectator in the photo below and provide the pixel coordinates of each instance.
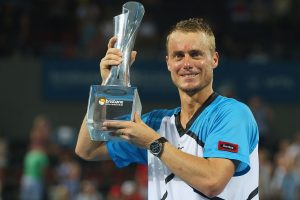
(36, 161)
(129, 191)
(280, 169)
(264, 116)
(141, 179)
(68, 174)
(114, 193)
(265, 171)
(88, 191)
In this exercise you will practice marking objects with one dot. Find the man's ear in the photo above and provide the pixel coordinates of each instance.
(167, 61)
(168, 68)
(215, 60)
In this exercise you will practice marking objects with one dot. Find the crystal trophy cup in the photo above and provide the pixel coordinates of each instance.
(116, 99)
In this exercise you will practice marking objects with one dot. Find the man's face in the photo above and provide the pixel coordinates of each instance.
(191, 61)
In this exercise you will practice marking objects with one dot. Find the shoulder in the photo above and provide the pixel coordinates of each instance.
(231, 111)
(230, 105)
(234, 118)
(226, 101)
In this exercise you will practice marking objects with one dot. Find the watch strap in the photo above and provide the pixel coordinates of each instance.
(162, 140)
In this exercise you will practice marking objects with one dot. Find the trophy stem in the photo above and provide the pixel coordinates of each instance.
(126, 26)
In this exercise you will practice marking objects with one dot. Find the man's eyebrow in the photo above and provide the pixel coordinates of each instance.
(195, 51)
(177, 52)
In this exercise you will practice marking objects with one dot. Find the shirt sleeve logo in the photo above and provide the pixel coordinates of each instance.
(226, 146)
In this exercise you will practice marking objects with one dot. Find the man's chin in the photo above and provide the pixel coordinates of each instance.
(190, 91)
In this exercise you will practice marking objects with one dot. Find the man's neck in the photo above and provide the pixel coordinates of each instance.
(190, 104)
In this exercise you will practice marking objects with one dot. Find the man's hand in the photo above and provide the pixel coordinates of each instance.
(113, 57)
(135, 132)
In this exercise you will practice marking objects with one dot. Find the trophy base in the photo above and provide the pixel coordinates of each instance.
(110, 103)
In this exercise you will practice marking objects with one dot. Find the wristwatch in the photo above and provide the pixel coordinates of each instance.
(157, 147)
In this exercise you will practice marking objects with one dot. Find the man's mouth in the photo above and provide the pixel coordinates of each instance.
(189, 75)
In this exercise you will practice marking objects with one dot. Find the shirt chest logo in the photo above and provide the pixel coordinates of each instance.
(226, 146)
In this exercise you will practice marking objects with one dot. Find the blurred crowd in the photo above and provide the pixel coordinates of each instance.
(279, 157)
(45, 166)
(258, 30)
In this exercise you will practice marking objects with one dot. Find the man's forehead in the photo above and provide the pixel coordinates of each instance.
(187, 41)
(181, 32)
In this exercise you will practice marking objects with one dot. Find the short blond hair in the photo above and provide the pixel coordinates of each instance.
(194, 25)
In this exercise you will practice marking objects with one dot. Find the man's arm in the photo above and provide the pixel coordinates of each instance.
(209, 176)
(88, 149)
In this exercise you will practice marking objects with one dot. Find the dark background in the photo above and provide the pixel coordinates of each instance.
(50, 52)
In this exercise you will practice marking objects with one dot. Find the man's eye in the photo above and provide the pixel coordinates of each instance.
(195, 54)
(178, 56)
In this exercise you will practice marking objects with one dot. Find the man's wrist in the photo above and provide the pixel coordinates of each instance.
(157, 146)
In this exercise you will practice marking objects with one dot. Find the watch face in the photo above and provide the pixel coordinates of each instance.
(155, 148)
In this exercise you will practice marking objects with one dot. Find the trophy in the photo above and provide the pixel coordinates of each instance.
(116, 99)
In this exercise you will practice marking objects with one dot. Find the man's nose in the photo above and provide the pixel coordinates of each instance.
(187, 61)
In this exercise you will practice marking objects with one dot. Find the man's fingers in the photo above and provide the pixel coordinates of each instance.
(113, 57)
(121, 133)
(114, 51)
(133, 56)
(115, 124)
(106, 63)
(137, 118)
(112, 42)
(118, 132)
(125, 137)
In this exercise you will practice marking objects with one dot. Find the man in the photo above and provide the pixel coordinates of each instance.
(206, 148)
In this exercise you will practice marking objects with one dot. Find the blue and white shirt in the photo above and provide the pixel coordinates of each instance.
(221, 128)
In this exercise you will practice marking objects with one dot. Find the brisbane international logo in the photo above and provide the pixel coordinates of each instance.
(110, 102)
(102, 101)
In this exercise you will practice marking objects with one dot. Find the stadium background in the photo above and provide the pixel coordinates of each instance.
(50, 53)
